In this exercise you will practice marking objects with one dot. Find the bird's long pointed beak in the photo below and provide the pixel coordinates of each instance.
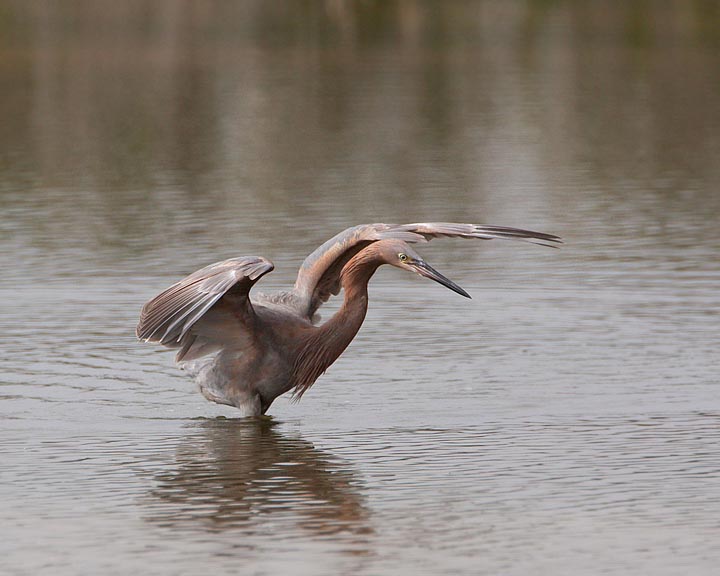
(424, 269)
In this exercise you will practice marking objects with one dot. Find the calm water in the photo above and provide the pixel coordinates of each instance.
(564, 421)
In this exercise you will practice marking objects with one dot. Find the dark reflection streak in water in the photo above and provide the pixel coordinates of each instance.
(232, 474)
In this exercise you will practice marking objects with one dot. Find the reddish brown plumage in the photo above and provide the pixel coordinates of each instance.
(246, 353)
(326, 343)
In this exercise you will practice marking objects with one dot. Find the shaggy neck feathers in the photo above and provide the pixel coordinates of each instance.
(326, 342)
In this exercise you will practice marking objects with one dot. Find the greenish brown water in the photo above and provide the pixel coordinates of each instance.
(564, 421)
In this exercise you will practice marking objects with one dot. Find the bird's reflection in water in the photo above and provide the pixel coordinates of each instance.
(238, 474)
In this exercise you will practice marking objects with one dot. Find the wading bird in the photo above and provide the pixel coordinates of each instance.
(245, 353)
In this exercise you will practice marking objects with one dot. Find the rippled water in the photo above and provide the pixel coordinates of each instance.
(564, 421)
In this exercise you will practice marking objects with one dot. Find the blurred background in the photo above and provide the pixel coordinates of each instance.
(564, 421)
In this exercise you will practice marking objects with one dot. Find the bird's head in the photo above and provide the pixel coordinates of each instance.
(401, 255)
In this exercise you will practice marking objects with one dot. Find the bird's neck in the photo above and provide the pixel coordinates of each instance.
(328, 341)
(342, 327)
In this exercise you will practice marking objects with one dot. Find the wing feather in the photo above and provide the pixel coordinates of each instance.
(430, 230)
(167, 318)
(319, 275)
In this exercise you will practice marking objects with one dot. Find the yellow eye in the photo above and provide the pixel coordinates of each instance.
(403, 257)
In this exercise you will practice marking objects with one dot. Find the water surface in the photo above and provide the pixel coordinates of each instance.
(564, 421)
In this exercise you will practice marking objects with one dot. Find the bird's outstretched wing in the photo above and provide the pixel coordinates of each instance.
(319, 275)
(169, 316)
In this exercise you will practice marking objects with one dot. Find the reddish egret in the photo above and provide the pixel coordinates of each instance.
(245, 353)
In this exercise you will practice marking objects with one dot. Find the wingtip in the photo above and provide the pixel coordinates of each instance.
(557, 244)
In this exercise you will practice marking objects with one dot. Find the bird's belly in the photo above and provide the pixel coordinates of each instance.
(241, 380)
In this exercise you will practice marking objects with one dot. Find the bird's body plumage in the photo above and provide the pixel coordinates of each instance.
(246, 352)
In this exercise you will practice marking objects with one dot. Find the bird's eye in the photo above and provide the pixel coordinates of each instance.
(403, 257)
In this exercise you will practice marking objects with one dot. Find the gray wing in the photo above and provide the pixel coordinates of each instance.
(430, 230)
(169, 316)
(319, 275)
